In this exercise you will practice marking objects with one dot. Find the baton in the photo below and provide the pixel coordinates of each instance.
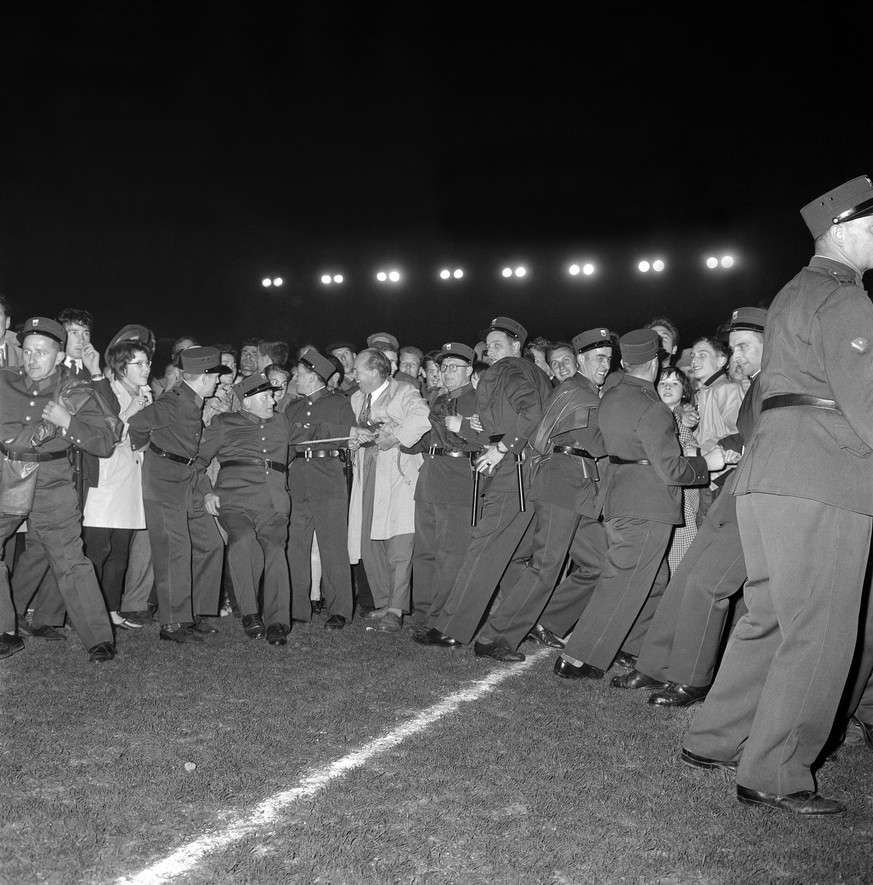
(474, 514)
(316, 442)
(518, 467)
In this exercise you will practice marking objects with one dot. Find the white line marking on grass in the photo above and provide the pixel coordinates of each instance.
(184, 858)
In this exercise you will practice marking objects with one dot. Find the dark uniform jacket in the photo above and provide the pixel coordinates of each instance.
(322, 415)
(442, 478)
(241, 435)
(636, 426)
(818, 340)
(173, 422)
(510, 399)
(569, 419)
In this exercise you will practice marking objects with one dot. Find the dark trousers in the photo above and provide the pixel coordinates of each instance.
(773, 702)
(256, 548)
(34, 582)
(328, 519)
(686, 632)
(500, 544)
(56, 523)
(108, 550)
(442, 535)
(555, 529)
(187, 557)
(627, 594)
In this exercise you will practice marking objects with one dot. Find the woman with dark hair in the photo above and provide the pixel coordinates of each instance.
(113, 507)
(675, 391)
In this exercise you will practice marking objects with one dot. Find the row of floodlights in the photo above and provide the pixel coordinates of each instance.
(657, 265)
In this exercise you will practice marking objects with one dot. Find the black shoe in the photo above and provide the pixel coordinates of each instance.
(100, 654)
(696, 761)
(22, 626)
(635, 679)
(178, 633)
(546, 637)
(434, 637)
(864, 730)
(566, 670)
(276, 634)
(804, 802)
(49, 633)
(678, 695)
(201, 625)
(623, 659)
(498, 651)
(9, 644)
(254, 626)
(335, 622)
(143, 617)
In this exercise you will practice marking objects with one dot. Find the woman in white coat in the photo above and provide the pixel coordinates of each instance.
(114, 508)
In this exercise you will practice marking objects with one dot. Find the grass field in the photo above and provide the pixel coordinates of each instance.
(536, 780)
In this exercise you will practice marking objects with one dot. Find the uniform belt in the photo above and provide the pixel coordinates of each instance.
(615, 460)
(33, 456)
(782, 400)
(188, 462)
(257, 462)
(309, 454)
(447, 453)
(579, 453)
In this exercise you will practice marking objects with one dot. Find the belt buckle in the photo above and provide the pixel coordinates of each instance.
(307, 455)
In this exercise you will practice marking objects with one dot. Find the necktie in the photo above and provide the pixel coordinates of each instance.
(364, 420)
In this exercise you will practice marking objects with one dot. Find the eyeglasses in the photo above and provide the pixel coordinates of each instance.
(145, 363)
(451, 368)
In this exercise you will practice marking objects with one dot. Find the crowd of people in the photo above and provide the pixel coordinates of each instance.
(626, 503)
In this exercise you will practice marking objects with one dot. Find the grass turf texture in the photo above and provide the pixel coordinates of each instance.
(539, 781)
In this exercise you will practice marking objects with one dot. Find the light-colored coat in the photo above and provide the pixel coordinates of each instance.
(401, 409)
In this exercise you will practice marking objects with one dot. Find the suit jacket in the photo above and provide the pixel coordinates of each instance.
(636, 425)
(321, 415)
(510, 399)
(173, 423)
(443, 479)
(235, 435)
(818, 340)
(569, 419)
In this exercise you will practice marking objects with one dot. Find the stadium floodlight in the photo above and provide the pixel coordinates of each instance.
(644, 267)
(658, 265)
(727, 261)
(382, 276)
(574, 270)
(445, 273)
(278, 281)
(521, 271)
(338, 278)
(457, 273)
(266, 282)
(506, 272)
(326, 279)
(394, 276)
(712, 262)
(588, 269)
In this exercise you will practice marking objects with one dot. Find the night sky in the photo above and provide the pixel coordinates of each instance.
(159, 159)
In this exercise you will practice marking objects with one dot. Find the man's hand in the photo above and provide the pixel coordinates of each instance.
(476, 424)
(453, 423)
(489, 459)
(715, 459)
(57, 414)
(91, 360)
(385, 439)
(690, 416)
(358, 435)
(212, 503)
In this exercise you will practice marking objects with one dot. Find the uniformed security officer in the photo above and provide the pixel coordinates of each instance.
(43, 412)
(805, 476)
(683, 640)
(319, 491)
(443, 495)
(564, 495)
(510, 399)
(251, 502)
(186, 546)
(642, 501)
